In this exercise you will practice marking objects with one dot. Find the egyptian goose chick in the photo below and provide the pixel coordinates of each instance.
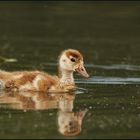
(70, 61)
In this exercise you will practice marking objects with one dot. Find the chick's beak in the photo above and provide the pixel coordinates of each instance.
(81, 69)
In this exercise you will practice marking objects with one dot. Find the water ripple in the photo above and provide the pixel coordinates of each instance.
(116, 66)
(110, 80)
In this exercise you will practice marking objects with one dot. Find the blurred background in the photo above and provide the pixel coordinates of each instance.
(106, 33)
(36, 32)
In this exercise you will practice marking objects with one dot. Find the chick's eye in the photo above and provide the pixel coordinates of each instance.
(72, 59)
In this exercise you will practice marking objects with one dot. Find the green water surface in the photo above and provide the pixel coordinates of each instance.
(107, 34)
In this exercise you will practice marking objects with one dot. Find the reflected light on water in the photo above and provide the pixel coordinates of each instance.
(110, 80)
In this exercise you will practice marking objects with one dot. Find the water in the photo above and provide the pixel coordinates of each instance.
(107, 34)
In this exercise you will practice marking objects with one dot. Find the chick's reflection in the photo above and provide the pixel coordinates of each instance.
(69, 122)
